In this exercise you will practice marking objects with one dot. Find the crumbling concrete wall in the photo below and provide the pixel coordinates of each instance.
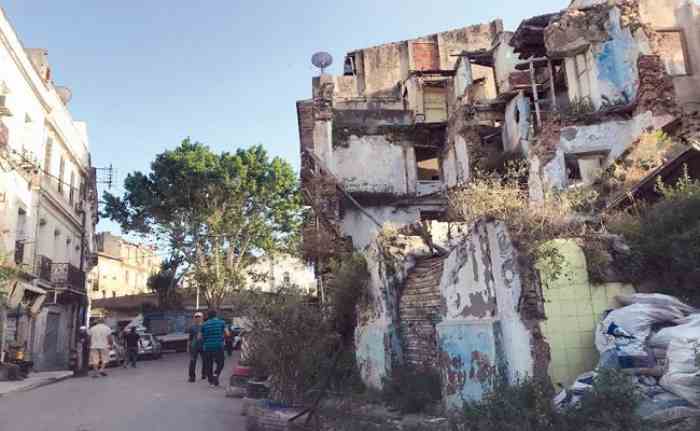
(479, 326)
(516, 128)
(384, 167)
(482, 331)
(377, 343)
(611, 137)
(685, 16)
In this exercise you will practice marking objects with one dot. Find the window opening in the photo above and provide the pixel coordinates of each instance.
(672, 48)
(428, 164)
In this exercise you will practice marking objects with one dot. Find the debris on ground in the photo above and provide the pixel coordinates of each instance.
(655, 339)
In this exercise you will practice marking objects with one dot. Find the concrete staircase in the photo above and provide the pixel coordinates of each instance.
(419, 307)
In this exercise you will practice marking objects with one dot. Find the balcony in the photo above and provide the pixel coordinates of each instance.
(67, 276)
(43, 268)
(60, 275)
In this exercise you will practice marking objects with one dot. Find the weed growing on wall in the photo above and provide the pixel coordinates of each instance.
(504, 197)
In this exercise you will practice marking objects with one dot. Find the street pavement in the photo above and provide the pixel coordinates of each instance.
(155, 396)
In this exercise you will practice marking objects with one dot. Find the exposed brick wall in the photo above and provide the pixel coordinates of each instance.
(419, 310)
(425, 56)
(656, 91)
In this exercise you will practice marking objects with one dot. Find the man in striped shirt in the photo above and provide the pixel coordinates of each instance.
(213, 332)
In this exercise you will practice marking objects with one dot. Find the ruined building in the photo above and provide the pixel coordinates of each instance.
(572, 92)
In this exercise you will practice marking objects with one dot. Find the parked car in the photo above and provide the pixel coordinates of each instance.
(150, 346)
(117, 355)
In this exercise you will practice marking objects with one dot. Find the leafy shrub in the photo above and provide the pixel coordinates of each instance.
(665, 240)
(291, 341)
(347, 290)
(527, 406)
(411, 390)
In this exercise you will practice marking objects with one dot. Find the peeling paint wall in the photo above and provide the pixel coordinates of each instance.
(363, 231)
(483, 328)
(467, 360)
(573, 307)
(377, 343)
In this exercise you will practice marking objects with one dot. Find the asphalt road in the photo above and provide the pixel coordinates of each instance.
(155, 396)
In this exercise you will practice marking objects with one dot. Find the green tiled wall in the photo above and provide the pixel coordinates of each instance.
(573, 307)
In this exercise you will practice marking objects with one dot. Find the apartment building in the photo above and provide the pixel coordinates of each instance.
(48, 206)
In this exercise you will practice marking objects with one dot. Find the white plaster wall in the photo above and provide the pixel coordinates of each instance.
(363, 231)
(323, 140)
(463, 170)
(517, 339)
(31, 98)
(449, 168)
(612, 136)
(505, 61)
(467, 284)
(300, 273)
(382, 170)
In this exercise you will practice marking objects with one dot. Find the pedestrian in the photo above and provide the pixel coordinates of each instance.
(228, 343)
(213, 333)
(132, 341)
(194, 346)
(101, 341)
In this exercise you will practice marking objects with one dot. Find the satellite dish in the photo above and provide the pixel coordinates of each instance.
(322, 60)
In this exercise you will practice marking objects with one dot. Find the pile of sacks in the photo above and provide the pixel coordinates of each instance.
(656, 340)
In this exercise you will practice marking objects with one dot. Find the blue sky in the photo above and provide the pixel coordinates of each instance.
(146, 74)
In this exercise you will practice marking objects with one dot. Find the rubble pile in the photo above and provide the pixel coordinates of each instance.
(655, 339)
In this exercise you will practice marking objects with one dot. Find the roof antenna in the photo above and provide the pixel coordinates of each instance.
(322, 60)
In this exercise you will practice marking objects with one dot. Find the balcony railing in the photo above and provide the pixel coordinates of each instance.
(43, 268)
(67, 276)
(60, 275)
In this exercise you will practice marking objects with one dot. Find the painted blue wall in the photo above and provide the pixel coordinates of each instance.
(616, 62)
(467, 355)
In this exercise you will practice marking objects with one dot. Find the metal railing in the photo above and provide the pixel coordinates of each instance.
(68, 276)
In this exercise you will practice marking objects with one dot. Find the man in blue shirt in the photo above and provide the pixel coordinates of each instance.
(213, 332)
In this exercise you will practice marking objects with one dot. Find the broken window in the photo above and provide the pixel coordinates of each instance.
(349, 68)
(585, 168)
(672, 49)
(428, 164)
(435, 104)
(433, 216)
(61, 174)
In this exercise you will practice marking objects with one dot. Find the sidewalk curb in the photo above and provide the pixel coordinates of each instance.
(37, 385)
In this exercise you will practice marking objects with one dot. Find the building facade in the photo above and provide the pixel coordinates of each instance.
(48, 205)
(572, 94)
(123, 267)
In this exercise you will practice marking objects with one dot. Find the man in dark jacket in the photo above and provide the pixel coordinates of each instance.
(132, 339)
(195, 346)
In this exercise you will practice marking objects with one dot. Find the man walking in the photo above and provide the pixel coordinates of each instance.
(213, 332)
(195, 346)
(101, 342)
(132, 340)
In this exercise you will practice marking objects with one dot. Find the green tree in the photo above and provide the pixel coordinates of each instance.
(214, 211)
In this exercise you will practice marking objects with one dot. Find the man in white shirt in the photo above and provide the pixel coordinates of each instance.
(100, 343)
